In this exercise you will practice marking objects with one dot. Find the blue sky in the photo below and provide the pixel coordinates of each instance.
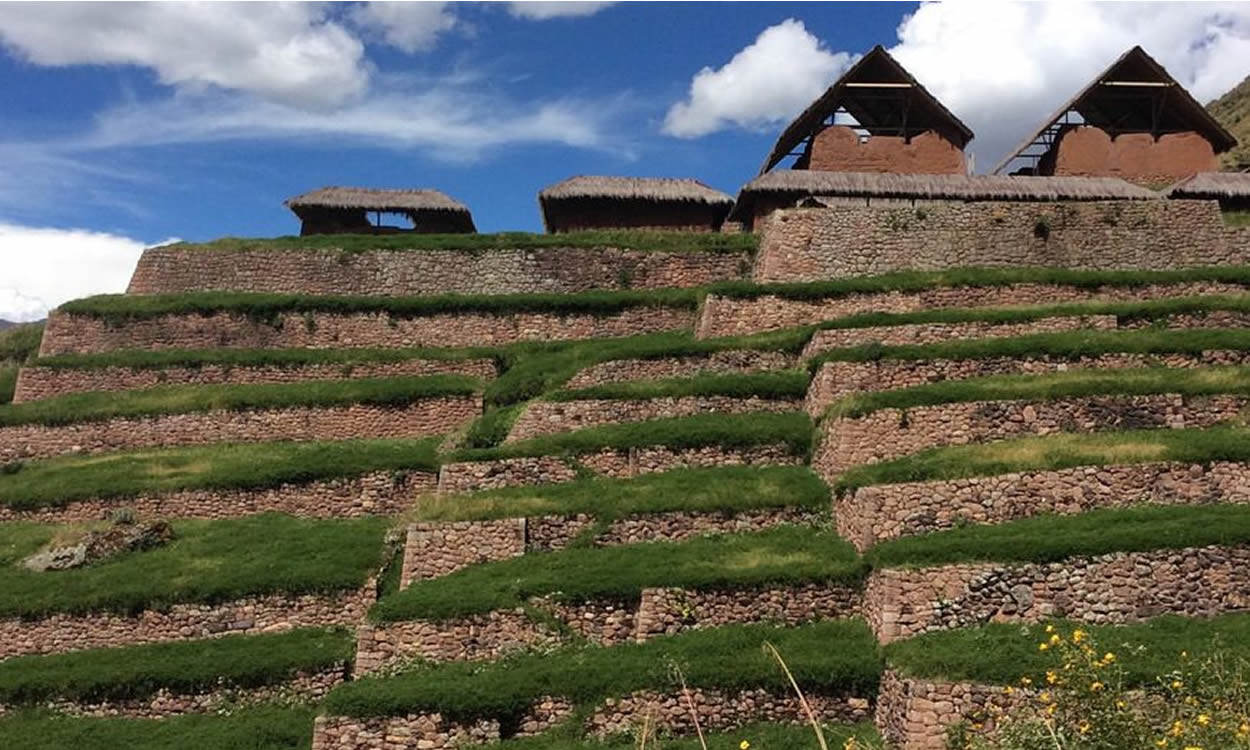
(124, 125)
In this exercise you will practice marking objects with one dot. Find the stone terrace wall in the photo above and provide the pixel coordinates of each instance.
(473, 476)
(873, 514)
(913, 714)
(163, 270)
(34, 383)
(550, 417)
(424, 731)
(422, 418)
(377, 493)
(835, 380)
(621, 370)
(80, 334)
(437, 548)
(1113, 588)
(934, 333)
(261, 614)
(891, 433)
(812, 244)
(732, 316)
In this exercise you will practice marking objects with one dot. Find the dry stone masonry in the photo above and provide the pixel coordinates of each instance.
(913, 714)
(934, 333)
(734, 361)
(551, 417)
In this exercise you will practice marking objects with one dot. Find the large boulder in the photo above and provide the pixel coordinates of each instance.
(101, 545)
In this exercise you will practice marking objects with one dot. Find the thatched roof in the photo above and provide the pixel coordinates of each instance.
(1212, 185)
(797, 184)
(1160, 105)
(634, 188)
(375, 199)
(861, 91)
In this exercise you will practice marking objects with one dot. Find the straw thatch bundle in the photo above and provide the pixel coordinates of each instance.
(1212, 185)
(945, 187)
(375, 199)
(660, 189)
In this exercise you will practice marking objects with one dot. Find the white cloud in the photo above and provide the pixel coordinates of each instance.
(540, 10)
(409, 26)
(44, 267)
(289, 52)
(1004, 67)
(768, 82)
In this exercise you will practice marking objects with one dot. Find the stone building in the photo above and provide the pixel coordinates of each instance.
(674, 204)
(1132, 121)
(344, 210)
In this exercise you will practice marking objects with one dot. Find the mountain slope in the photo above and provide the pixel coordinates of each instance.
(1233, 111)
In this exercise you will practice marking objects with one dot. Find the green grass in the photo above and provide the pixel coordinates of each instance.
(1053, 452)
(761, 736)
(266, 728)
(728, 430)
(120, 308)
(1001, 654)
(8, 382)
(788, 384)
(219, 466)
(1073, 384)
(1239, 218)
(210, 561)
(632, 240)
(731, 489)
(182, 399)
(835, 656)
(492, 428)
(197, 358)
(781, 555)
(1050, 538)
(195, 666)
(20, 343)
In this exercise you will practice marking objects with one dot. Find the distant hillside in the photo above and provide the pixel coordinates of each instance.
(6, 324)
(1233, 110)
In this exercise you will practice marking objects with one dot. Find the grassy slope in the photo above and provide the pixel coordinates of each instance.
(210, 561)
(182, 399)
(790, 384)
(1233, 111)
(266, 728)
(1072, 384)
(726, 490)
(137, 672)
(831, 656)
(760, 737)
(1003, 653)
(59, 481)
(777, 556)
(633, 240)
(18, 343)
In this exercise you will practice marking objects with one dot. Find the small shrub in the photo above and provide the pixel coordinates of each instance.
(1041, 229)
(11, 467)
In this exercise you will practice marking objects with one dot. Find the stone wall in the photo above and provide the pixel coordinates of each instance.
(668, 611)
(424, 731)
(34, 383)
(874, 514)
(482, 637)
(473, 476)
(421, 418)
(550, 417)
(376, 493)
(838, 148)
(912, 714)
(835, 380)
(736, 361)
(260, 614)
(81, 334)
(437, 548)
(564, 270)
(892, 433)
(935, 333)
(1114, 588)
(840, 241)
(734, 316)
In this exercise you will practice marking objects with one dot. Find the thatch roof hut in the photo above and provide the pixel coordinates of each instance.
(1134, 120)
(336, 210)
(789, 187)
(1231, 189)
(898, 125)
(588, 202)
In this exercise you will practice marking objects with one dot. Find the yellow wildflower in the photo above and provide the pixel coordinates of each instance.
(1176, 684)
(1025, 681)
(1009, 690)
(1177, 729)
(1055, 639)
(744, 745)
(1108, 657)
(1078, 635)
(1042, 647)
(1050, 710)
(1161, 742)
(1203, 719)
(1083, 727)
(1095, 686)
(1051, 678)
(1050, 628)
(1044, 697)
(1120, 704)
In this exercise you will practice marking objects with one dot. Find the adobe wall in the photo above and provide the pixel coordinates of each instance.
(913, 714)
(378, 493)
(841, 241)
(911, 334)
(892, 433)
(564, 270)
(550, 417)
(34, 382)
(472, 476)
(422, 418)
(732, 316)
(837, 148)
(869, 515)
(80, 334)
(734, 361)
(1087, 151)
(1114, 588)
(59, 633)
(835, 380)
